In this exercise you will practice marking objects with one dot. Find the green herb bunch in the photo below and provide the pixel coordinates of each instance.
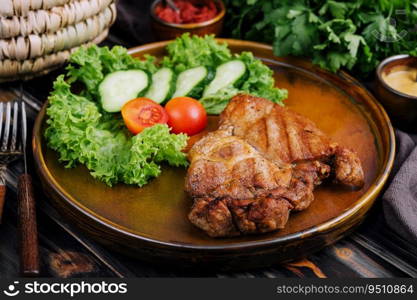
(354, 34)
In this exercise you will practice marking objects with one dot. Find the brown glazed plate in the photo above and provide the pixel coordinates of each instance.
(151, 222)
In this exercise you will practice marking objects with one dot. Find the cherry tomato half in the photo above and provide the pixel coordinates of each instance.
(186, 115)
(140, 113)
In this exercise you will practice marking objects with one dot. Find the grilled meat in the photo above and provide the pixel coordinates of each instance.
(287, 137)
(234, 187)
(348, 168)
(262, 162)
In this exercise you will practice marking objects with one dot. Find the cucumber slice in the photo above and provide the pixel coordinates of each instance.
(161, 85)
(119, 87)
(188, 80)
(227, 74)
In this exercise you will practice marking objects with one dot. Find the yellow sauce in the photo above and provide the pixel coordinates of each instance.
(403, 79)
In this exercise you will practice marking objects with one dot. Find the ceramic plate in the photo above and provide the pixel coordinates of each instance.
(151, 222)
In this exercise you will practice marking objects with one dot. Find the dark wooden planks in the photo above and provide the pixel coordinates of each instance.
(61, 255)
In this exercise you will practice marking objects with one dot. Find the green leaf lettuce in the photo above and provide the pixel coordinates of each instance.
(80, 133)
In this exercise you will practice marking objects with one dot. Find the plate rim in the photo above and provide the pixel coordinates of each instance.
(367, 198)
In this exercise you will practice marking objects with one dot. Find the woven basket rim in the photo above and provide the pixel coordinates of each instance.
(33, 46)
(48, 21)
(64, 58)
(21, 8)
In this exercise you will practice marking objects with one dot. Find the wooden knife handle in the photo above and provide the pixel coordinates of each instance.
(2, 197)
(29, 251)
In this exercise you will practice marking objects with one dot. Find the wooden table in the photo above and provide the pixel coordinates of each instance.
(371, 251)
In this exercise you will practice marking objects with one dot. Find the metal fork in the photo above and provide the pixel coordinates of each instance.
(9, 150)
(12, 148)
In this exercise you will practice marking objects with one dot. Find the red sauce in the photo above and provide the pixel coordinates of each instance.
(190, 11)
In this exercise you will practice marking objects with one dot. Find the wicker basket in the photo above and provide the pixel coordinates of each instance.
(11, 8)
(37, 36)
(49, 21)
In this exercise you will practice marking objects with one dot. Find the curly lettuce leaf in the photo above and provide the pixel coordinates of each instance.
(187, 52)
(258, 81)
(81, 134)
(215, 103)
(89, 65)
(193, 51)
(151, 147)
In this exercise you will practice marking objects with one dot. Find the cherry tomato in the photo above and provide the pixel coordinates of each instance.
(186, 115)
(140, 113)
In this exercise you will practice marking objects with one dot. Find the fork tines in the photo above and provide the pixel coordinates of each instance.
(9, 127)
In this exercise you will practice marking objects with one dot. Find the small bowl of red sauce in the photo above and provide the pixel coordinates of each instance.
(198, 17)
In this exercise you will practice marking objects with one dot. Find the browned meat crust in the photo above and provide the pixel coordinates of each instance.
(348, 168)
(232, 185)
(277, 132)
(287, 137)
(263, 162)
